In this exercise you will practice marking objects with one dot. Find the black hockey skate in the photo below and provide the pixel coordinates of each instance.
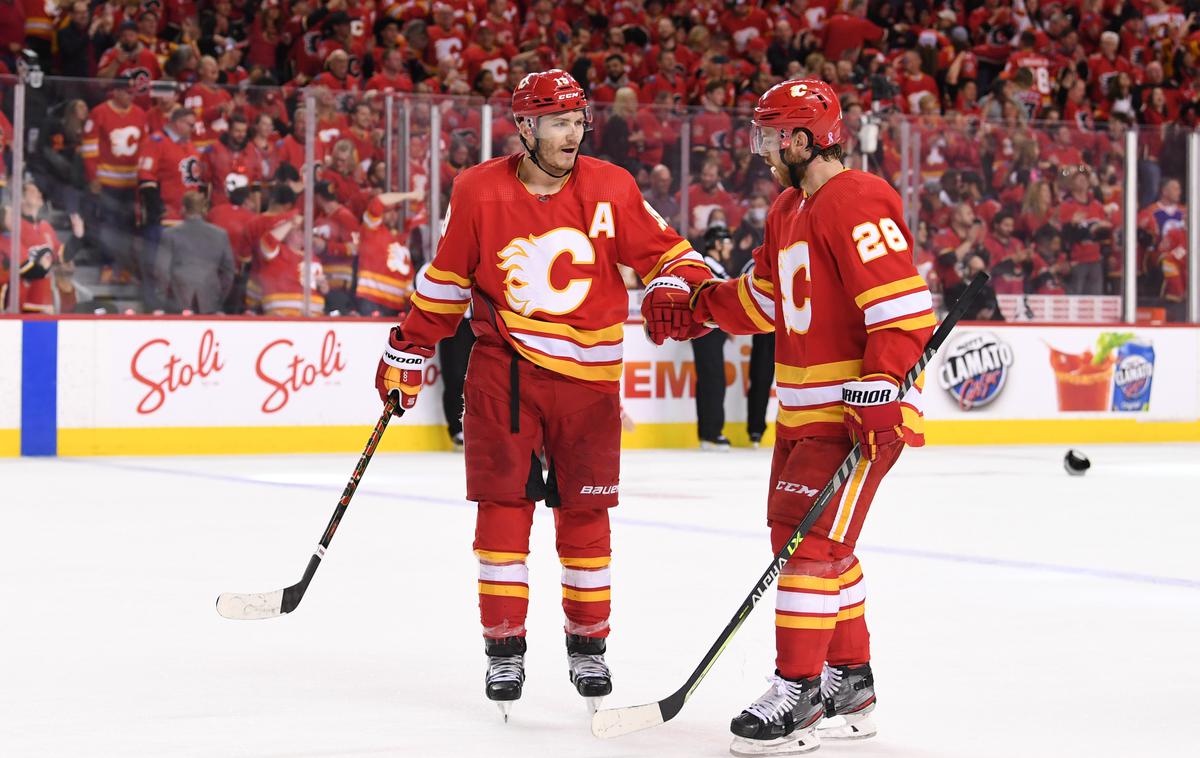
(849, 695)
(782, 721)
(505, 671)
(587, 669)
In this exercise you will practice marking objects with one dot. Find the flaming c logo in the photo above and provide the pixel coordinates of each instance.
(529, 262)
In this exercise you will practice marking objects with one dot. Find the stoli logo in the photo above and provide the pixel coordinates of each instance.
(294, 373)
(174, 373)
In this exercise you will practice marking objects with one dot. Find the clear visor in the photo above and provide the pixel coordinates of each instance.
(559, 125)
(765, 140)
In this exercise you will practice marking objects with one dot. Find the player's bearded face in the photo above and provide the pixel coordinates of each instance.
(558, 139)
(767, 141)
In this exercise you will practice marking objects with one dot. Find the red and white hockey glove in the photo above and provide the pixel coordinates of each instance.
(871, 412)
(667, 311)
(401, 370)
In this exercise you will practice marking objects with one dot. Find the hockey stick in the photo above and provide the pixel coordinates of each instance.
(614, 722)
(265, 605)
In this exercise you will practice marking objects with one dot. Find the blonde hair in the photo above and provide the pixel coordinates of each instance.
(625, 103)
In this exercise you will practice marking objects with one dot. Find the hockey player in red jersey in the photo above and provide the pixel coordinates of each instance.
(531, 244)
(834, 279)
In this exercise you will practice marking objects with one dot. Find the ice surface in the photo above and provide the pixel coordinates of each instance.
(1015, 611)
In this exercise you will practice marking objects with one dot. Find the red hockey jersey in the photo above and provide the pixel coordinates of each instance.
(279, 273)
(385, 264)
(39, 240)
(834, 279)
(227, 169)
(340, 231)
(112, 139)
(175, 167)
(541, 270)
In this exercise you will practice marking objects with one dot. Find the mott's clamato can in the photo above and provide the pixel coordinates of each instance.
(1132, 376)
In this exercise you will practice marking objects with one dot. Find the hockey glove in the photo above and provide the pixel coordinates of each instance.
(401, 370)
(667, 313)
(871, 412)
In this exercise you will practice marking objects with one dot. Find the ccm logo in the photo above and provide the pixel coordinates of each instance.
(598, 490)
(793, 487)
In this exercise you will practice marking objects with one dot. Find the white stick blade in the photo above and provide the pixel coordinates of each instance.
(263, 605)
(614, 722)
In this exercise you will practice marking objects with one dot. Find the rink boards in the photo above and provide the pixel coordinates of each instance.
(141, 386)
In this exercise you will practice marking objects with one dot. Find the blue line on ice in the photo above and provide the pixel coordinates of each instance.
(977, 560)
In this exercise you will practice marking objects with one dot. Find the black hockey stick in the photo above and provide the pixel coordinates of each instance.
(614, 722)
(265, 605)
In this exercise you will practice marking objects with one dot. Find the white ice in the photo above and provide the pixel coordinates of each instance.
(1014, 611)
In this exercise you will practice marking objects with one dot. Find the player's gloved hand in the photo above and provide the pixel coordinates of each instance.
(871, 412)
(667, 312)
(401, 370)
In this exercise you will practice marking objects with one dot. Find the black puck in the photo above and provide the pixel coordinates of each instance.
(1076, 463)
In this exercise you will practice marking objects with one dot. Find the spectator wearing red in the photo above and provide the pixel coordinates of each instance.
(1157, 219)
(336, 234)
(331, 121)
(1085, 224)
(488, 53)
(1002, 242)
(340, 25)
(291, 149)
(503, 16)
(280, 268)
(544, 28)
(232, 161)
(129, 59)
(915, 84)
(365, 135)
(264, 140)
(707, 196)
(336, 77)
(1105, 64)
(846, 33)
(1042, 69)
(1173, 263)
(745, 21)
(616, 76)
(112, 141)
(41, 255)
(1050, 279)
(954, 246)
(1023, 94)
(266, 34)
(169, 167)
(385, 264)
(234, 217)
(1014, 274)
(391, 78)
(1037, 208)
(666, 78)
(447, 40)
(462, 121)
(1063, 152)
(211, 104)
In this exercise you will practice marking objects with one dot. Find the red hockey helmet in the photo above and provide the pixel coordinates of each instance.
(546, 92)
(808, 104)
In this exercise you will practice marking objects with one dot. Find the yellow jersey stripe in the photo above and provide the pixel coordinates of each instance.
(503, 590)
(820, 372)
(804, 582)
(764, 284)
(851, 576)
(587, 596)
(603, 373)
(586, 563)
(666, 258)
(831, 415)
(805, 622)
(614, 333)
(883, 290)
(852, 612)
(924, 321)
(448, 276)
(492, 556)
(434, 307)
(747, 300)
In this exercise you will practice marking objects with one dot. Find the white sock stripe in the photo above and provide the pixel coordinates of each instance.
(806, 602)
(509, 572)
(584, 579)
(853, 594)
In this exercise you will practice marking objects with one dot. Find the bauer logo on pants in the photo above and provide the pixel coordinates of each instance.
(975, 368)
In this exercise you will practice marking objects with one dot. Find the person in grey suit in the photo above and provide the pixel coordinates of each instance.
(197, 260)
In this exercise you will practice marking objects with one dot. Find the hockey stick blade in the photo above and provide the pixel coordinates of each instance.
(266, 605)
(614, 722)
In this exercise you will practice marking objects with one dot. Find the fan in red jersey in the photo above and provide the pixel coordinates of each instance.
(531, 243)
(834, 280)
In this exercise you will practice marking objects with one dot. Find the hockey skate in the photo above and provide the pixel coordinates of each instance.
(505, 671)
(587, 669)
(782, 721)
(719, 445)
(849, 695)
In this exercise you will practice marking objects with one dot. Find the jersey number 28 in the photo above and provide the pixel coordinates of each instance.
(877, 239)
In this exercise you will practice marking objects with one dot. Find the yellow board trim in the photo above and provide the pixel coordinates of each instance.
(820, 372)
(587, 596)
(492, 556)
(883, 290)
(430, 306)
(503, 590)
(803, 582)
(909, 324)
(238, 440)
(587, 563)
(10, 442)
(614, 333)
(1058, 431)
(435, 273)
(805, 622)
(751, 308)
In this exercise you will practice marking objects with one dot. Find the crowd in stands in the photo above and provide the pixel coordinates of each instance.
(1019, 112)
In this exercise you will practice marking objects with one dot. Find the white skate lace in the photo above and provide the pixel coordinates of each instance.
(782, 696)
(831, 680)
(509, 668)
(587, 666)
